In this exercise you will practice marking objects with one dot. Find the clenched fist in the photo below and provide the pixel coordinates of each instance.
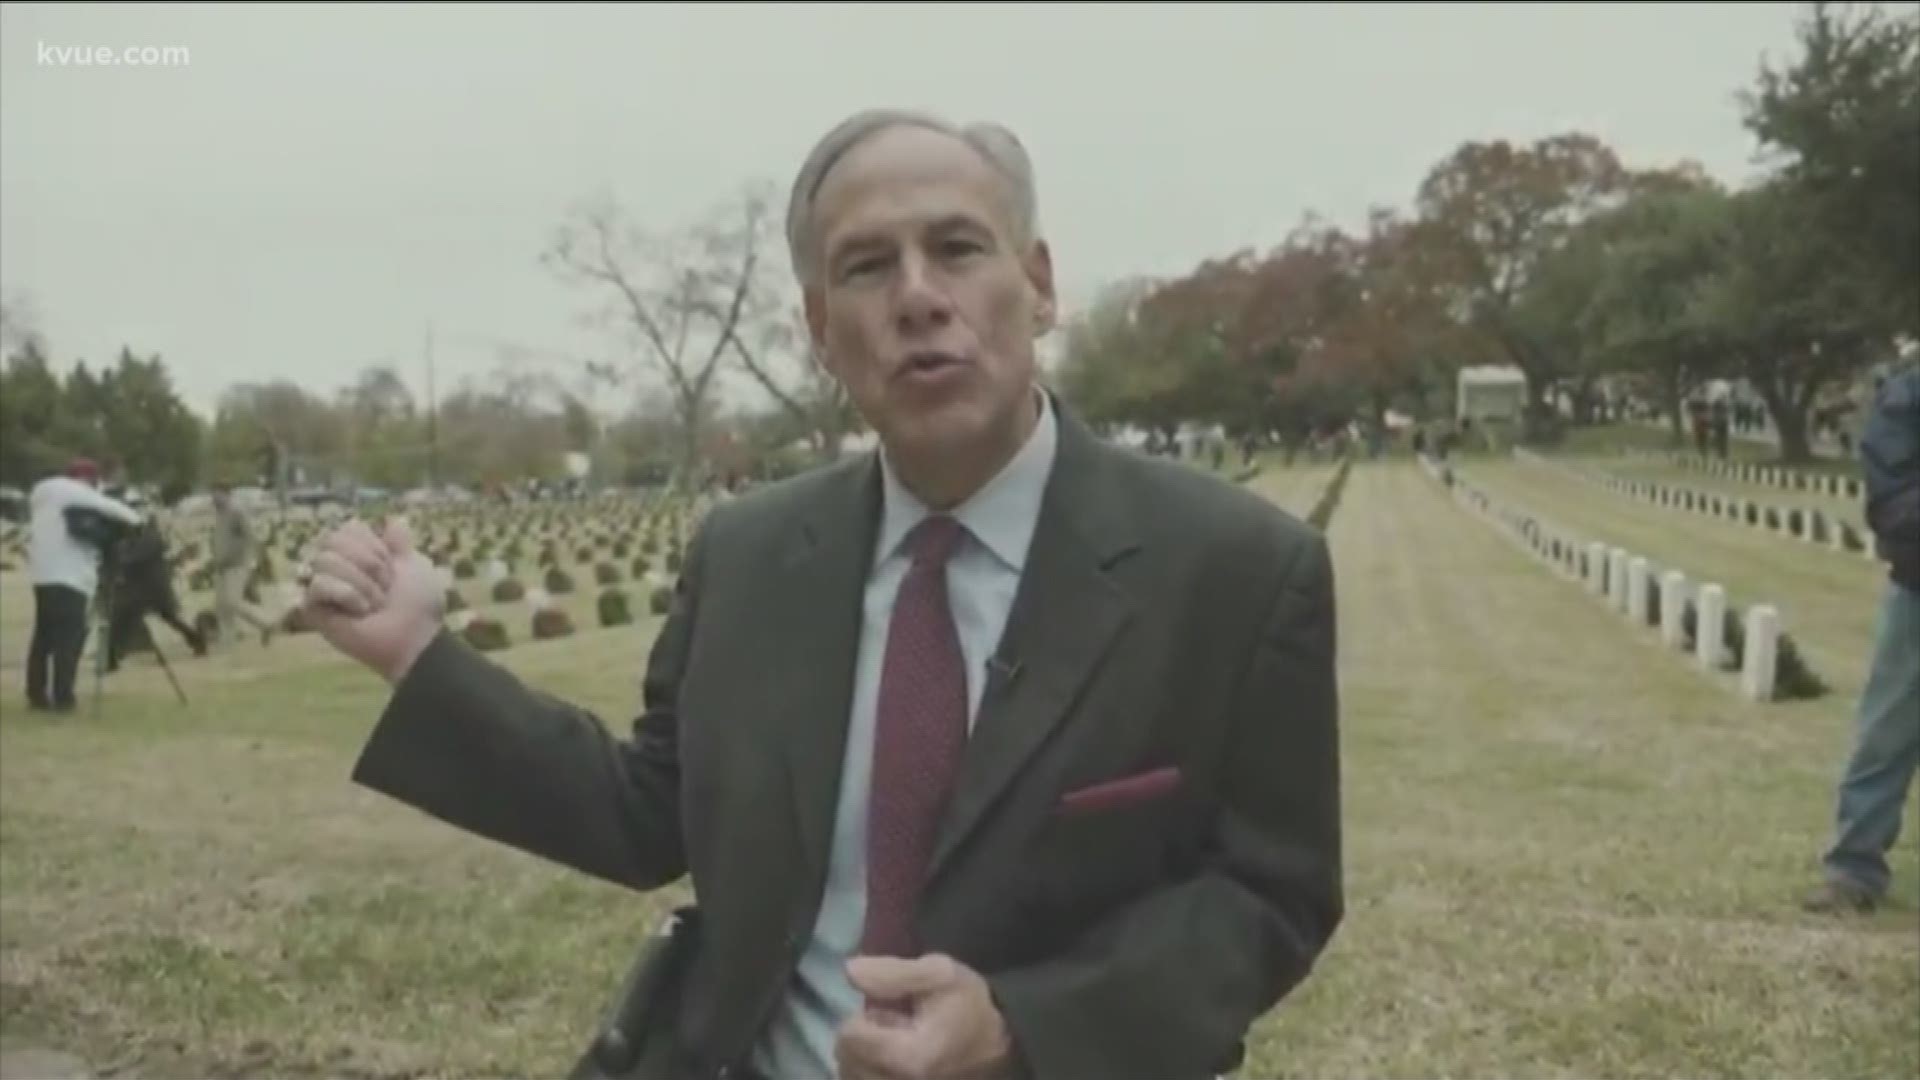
(375, 598)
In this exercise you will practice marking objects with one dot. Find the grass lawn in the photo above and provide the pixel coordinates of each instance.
(1675, 476)
(1567, 855)
(1827, 599)
(1612, 438)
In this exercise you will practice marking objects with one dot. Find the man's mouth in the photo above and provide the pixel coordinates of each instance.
(930, 362)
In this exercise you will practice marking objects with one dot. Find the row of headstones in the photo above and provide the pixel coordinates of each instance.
(1808, 524)
(1843, 487)
(1624, 582)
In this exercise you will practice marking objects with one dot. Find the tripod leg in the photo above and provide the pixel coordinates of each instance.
(168, 668)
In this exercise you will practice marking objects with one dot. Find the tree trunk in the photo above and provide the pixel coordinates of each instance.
(1791, 423)
(1537, 421)
(1671, 396)
(689, 443)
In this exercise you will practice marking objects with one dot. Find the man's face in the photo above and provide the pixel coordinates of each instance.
(927, 305)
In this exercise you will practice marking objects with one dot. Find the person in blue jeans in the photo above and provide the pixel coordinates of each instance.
(1886, 751)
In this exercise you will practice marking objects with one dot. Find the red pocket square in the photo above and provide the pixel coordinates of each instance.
(1122, 792)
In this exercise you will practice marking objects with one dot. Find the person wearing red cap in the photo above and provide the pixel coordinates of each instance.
(66, 572)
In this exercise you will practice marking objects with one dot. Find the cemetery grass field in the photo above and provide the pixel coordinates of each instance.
(1569, 853)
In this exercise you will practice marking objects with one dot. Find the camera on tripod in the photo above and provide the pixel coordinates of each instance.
(135, 582)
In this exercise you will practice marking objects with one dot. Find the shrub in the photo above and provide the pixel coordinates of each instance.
(662, 600)
(621, 550)
(558, 581)
(463, 569)
(551, 622)
(1793, 679)
(1322, 513)
(614, 609)
(455, 602)
(508, 590)
(486, 635)
(640, 568)
(606, 574)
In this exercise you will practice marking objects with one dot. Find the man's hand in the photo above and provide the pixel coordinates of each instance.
(929, 1018)
(375, 598)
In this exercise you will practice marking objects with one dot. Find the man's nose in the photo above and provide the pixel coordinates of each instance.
(921, 301)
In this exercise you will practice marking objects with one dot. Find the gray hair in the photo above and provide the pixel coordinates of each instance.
(999, 147)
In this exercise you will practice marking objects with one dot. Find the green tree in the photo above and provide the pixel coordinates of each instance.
(1843, 123)
(1500, 211)
(1662, 248)
(30, 407)
(151, 432)
(1796, 308)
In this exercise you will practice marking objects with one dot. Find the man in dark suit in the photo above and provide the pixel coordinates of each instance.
(999, 752)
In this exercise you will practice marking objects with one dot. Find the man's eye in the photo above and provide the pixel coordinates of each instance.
(957, 248)
(864, 267)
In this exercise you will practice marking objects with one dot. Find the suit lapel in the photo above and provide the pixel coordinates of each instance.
(821, 587)
(1065, 617)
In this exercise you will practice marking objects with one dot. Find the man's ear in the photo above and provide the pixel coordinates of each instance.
(815, 308)
(1039, 267)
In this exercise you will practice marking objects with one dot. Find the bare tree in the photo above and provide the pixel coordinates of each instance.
(678, 298)
(769, 341)
(777, 354)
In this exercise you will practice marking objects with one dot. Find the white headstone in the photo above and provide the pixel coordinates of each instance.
(1637, 590)
(1617, 579)
(1597, 568)
(1673, 608)
(1709, 627)
(496, 571)
(1833, 534)
(1762, 657)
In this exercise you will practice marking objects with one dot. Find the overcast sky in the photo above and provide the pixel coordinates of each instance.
(315, 185)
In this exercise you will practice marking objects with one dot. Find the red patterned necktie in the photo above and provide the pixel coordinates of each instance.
(920, 730)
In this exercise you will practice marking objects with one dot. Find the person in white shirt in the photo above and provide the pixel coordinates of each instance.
(66, 571)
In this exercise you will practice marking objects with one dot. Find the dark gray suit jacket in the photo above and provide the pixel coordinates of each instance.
(1169, 663)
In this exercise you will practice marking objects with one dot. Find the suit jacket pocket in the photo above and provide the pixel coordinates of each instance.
(1105, 844)
(1122, 792)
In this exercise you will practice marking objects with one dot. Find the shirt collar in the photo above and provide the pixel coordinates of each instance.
(1001, 516)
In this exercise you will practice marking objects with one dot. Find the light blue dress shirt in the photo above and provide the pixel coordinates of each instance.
(982, 578)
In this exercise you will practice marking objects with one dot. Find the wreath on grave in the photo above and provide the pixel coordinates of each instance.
(1793, 678)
